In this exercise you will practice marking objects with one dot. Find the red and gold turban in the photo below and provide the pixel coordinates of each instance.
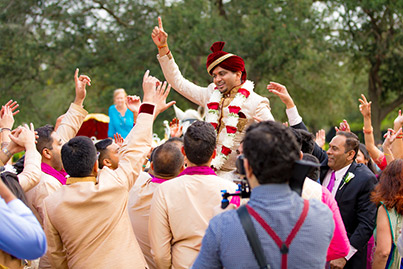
(225, 60)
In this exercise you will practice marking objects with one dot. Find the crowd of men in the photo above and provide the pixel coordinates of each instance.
(74, 203)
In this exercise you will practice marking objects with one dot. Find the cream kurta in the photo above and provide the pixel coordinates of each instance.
(180, 213)
(255, 105)
(139, 204)
(91, 221)
(68, 129)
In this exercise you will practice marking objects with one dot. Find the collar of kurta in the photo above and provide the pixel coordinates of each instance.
(197, 170)
(72, 180)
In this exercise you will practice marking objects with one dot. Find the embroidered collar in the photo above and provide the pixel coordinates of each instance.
(72, 180)
(197, 170)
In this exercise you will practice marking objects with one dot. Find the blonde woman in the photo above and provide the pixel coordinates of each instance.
(121, 119)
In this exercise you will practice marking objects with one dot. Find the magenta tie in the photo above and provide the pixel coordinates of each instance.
(331, 182)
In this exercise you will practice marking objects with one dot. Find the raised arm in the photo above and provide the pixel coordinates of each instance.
(397, 146)
(196, 94)
(390, 138)
(374, 152)
(75, 116)
(6, 124)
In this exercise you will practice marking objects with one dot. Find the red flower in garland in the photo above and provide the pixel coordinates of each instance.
(234, 109)
(213, 105)
(226, 151)
(244, 92)
(231, 129)
(214, 125)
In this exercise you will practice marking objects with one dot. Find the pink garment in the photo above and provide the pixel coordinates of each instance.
(381, 162)
(59, 175)
(197, 170)
(340, 245)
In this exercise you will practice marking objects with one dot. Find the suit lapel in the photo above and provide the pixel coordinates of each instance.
(339, 192)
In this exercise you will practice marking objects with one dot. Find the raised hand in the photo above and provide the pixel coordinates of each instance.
(149, 87)
(6, 119)
(24, 137)
(391, 136)
(175, 129)
(344, 126)
(13, 105)
(162, 92)
(320, 138)
(133, 103)
(118, 139)
(365, 107)
(282, 93)
(399, 120)
(81, 81)
(159, 36)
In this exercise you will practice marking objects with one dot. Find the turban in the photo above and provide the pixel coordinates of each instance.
(225, 60)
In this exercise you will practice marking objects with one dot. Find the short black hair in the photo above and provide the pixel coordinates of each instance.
(45, 139)
(199, 142)
(297, 136)
(307, 141)
(271, 150)
(314, 172)
(352, 142)
(79, 156)
(167, 160)
(103, 153)
(367, 157)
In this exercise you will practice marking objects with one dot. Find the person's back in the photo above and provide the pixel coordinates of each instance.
(304, 227)
(182, 207)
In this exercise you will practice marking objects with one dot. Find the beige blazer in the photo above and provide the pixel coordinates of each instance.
(255, 105)
(68, 129)
(87, 224)
(139, 204)
(180, 212)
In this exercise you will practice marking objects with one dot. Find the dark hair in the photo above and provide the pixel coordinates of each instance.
(167, 160)
(45, 139)
(367, 157)
(297, 136)
(352, 142)
(199, 142)
(175, 139)
(314, 172)
(271, 150)
(19, 165)
(307, 141)
(103, 152)
(79, 156)
(11, 181)
(389, 190)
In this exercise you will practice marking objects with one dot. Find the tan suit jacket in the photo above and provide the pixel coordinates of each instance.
(68, 129)
(139, 205)
(180, 212)
(87, 224)
(255, 105)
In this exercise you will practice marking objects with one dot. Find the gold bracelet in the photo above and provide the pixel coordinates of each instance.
(163, 46)
(7, 152)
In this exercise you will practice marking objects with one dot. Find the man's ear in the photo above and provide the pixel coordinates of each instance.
(183, 151)
(301, 155)
(350, 155)
(95, 169)
(152, 166)
(106, 162)
(248, 168)
(46, 153)
(214, 153)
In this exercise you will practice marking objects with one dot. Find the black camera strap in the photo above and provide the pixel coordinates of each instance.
(253, 239)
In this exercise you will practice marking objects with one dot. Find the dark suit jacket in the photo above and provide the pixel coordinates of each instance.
(356, 209)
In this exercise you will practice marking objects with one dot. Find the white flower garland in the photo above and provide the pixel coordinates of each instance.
(231, 121)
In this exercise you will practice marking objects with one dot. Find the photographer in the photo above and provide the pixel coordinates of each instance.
(270, 152)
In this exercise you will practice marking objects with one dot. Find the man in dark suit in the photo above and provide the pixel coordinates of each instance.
(349, 182)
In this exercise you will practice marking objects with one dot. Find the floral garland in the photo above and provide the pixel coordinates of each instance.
(231, 123)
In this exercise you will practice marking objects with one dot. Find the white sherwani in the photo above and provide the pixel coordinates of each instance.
(255, 105)
(180, 213)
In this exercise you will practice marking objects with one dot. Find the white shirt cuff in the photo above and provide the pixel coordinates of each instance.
(351, 253)
(293, 116)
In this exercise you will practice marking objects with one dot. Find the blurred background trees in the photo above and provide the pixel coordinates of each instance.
(326, 52)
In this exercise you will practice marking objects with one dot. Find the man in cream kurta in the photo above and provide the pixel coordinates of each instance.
(254, 105)
(182, 207)
(86, 220)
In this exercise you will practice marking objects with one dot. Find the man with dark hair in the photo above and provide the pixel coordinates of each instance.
(230, 100)
(270, 152)
(182, 207)
(86, 221)
(108, 153)
(49, 144)
(350, 183)
(307, 141)
(167, 163)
